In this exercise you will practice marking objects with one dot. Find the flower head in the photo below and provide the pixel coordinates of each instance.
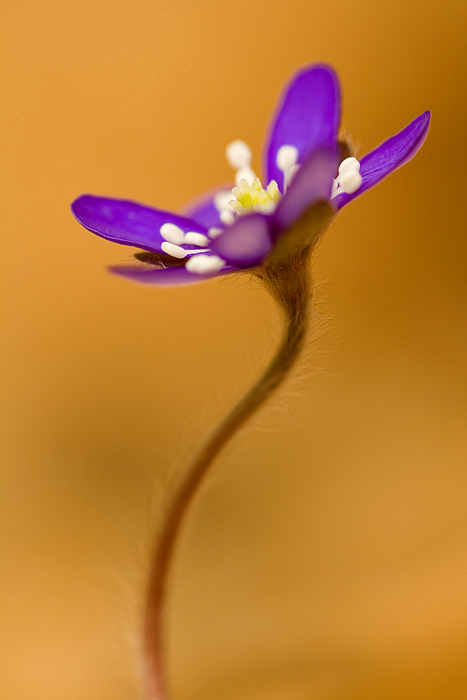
(309, 175)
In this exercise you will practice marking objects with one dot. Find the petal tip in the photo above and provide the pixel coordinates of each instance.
(427, 115)
(425, 118)
(133, 273)
(75, 205)
(318, 67)
(390, 155)
(308, 115)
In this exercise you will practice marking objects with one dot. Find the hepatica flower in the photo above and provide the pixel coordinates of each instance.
(243, 227)
(269, 226)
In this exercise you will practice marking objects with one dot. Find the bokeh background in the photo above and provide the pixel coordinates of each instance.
(326, 556)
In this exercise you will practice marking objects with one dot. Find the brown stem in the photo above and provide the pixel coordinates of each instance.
(289, 282)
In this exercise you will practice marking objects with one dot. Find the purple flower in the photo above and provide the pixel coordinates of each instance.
(240, 228)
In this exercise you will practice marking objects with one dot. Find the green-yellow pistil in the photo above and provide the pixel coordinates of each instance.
(254, 197)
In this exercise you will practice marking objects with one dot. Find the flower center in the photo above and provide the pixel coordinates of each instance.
(249, 195)
(254, 197)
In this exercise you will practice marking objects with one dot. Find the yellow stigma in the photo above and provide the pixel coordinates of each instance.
(254, 197)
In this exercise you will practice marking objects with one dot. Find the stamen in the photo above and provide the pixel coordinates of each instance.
(244, 173)
(222, 199)
(238, 154)
(204, 264)
(286, 161)
(227, 216)
(287, 156)
(192, 238)
(174, 250)
(221, 202)
(213, 232)
(349, 179)
(172, 233)
(348, 164)
(292, 172)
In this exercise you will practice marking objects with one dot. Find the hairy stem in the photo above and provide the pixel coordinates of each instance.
(289, 282)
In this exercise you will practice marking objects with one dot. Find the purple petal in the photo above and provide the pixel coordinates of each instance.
(308, 116)
(166, 276)
(312, 183)
(128, 223)
(204, 211)
(389, 156)
(247, 242)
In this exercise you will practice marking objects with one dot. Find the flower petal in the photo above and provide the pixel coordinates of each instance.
(128, 223)
(247, 242)
(312, 183)
(204, 211)
(166, 276)
(389, 156)
(308, 116)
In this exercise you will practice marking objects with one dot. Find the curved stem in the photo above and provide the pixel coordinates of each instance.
(290, 284)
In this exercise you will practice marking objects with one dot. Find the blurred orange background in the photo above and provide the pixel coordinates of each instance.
(326, 556)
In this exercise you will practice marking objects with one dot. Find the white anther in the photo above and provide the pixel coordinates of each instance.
(349, 182)
(286, 157)
(245, 173)
(204, 264)
(174, 250)
(213, 232)
(192, 238)
(227, 216)
(222, 199)
(172, 233)
(351, 164)
(238, 154)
